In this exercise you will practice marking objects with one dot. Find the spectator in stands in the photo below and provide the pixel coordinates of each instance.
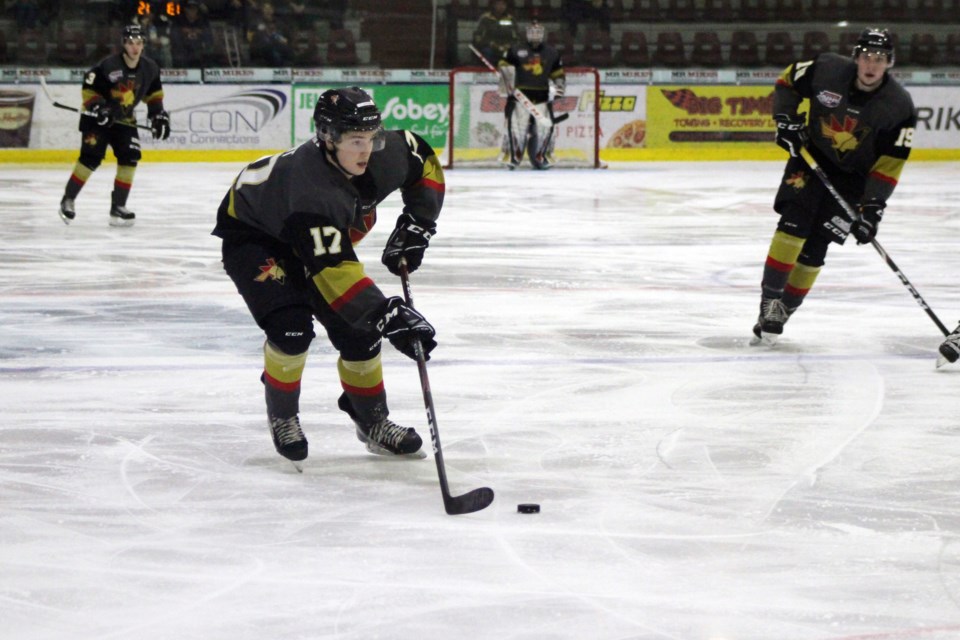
(292, 15)
(156, 28)
(577, 11)
(335, 12)
(192, 37)
(496, 32)
(237, 13)
(269, 46)
(26, 13)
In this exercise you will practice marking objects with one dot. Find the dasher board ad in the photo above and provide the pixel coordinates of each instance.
(229, 117)
(705, 115)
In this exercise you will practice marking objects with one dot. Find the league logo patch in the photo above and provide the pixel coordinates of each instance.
(829, 99)
(271, 271)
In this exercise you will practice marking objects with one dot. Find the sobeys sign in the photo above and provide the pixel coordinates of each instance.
(421, 108)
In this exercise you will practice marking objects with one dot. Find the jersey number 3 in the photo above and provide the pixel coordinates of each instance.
(326, 240)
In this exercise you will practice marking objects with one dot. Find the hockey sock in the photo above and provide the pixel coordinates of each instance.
(122, 184)
(798, 285)
(81, 173)
(362, 383)
(781, 258)
(281, 379)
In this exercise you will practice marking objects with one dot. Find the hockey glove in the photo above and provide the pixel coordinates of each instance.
(103, 114)
(160, 125)
(409, 239)
(791, 132)
(402, 325)
(865, 228)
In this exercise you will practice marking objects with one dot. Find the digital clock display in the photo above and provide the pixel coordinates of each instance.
(145, 8)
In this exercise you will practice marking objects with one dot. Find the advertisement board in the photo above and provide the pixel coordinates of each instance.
(421, 108)
(699, 115)
(234, 117)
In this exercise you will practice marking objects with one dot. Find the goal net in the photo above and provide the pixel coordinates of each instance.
(477, 123)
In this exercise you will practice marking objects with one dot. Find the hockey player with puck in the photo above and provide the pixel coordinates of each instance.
(111, 90)
(859, 129)
(531, 68)
(289, 225)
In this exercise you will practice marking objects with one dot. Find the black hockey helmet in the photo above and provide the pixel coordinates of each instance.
(351, 109)
(132, 32)
(878, 40)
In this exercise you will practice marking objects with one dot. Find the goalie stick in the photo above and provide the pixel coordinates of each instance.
(471, 501)
(521, 97)
(805, 153)
(60, 105)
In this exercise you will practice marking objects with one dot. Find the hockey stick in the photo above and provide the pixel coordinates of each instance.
(60, 105)
(521, 97)
(472, 500)
(805, 153)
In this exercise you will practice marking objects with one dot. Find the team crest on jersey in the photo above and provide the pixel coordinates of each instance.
(844, 136)
(829, 99)
(798, 180)
(273, 270)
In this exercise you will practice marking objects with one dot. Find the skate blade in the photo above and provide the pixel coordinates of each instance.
(769, 339)
(380, 451)
(298, 465)
(941, 361)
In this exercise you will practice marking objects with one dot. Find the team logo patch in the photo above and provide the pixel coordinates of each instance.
(114, 76)
(845, 136)
(271, 271)
(829, 99)
(798, 180)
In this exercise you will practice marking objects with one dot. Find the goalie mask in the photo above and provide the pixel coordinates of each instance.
(874, 41)
(535, 34)
(341, 110)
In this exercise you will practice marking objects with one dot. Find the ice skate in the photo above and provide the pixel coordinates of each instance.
(120, 216)
(289, 440)
(773, 315)
(387, 438)
(67, 210)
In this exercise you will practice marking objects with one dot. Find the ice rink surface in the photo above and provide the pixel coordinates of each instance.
(594, 358)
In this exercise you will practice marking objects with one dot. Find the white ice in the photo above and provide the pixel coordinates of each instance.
(593, 358)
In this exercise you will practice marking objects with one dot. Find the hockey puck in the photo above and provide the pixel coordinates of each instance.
(528, 508)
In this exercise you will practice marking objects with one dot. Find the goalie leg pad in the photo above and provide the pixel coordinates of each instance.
(518, 124)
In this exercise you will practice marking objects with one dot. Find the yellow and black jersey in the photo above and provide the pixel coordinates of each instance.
(301, 199)
(123, 88)
(536, 67)
(851, 131)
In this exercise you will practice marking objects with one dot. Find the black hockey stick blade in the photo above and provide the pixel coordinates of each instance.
(561, 118)
(472, 501)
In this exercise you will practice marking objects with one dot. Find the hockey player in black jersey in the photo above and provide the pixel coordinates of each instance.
(531, 68)
(859, 128)
(111, 91)
(289, 225)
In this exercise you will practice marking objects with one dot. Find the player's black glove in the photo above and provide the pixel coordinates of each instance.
(103, 113)
(865, 228)
(401, 325)
(409, 239)
(791, 132)
(160, 125)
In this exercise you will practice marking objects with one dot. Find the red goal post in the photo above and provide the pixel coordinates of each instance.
(477, 122)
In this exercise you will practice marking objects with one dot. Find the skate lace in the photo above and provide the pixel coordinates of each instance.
(388, 432)
(775, 311)
(287, 430)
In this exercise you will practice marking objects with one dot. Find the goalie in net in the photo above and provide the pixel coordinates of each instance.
(553, 123)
